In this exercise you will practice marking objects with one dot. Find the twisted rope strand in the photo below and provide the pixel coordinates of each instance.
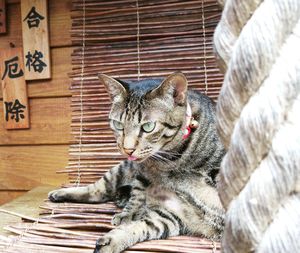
(235, 12)
(264, 34)
(258, 120)
(254, 132)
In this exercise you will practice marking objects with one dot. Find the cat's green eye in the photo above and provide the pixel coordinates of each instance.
(118, 125)
(148, 127)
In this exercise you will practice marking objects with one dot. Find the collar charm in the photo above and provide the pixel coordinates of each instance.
(187, 131)
(190, 123)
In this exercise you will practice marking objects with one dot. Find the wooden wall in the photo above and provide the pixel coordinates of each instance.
(29, 158)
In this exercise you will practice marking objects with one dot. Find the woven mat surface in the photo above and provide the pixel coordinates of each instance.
(70, 227)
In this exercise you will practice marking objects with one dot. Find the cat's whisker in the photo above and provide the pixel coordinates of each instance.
(169, 154)
(160, 159)
(161, 168)
(176, 153)
(169, 162)
(164, 158)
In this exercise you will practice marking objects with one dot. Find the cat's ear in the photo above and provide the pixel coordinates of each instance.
(174, 85)
(115, 89)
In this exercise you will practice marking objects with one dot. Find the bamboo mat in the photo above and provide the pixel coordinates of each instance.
(127, 39)
(70, 227)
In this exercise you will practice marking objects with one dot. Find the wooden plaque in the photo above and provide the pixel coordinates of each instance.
(15, 101)
(36, 50)
(2, 17)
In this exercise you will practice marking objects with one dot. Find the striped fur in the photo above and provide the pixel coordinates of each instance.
(170, 189)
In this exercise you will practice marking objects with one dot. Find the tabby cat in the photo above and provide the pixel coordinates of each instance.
(167, 185)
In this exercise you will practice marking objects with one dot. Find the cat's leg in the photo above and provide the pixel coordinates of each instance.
(135, 208)
(99, 192)
(158, 224)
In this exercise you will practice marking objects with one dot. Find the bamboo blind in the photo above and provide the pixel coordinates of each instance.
(130, 39)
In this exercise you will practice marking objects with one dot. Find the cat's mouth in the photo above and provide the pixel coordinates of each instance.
(138, 159)
(132, 158)
(141, 156)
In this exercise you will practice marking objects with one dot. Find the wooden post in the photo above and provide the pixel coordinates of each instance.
(35, 39)
(2, 17)
(15, 101)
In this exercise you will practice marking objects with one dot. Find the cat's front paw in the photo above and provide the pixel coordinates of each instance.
(125, 217)
(106, 244)
(121, 218)
(58, 195)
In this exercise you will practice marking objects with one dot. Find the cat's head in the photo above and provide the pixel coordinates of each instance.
(146, 115)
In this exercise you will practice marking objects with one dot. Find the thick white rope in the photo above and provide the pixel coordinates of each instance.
(235, 12)
(258, 120)
(264, 34)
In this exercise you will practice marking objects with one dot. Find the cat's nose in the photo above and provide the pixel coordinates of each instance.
(129, 151)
